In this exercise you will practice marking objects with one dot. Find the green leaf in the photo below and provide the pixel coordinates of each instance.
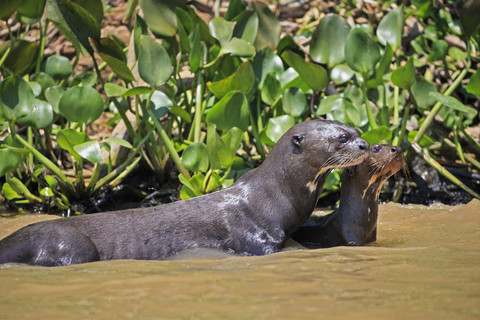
(439, 50)
(160, 17)
(31, 8)
(7, 8)
(154, 63)
(119, 141)
(58, 67)
(452, 103)
(473, 85)
(44, 80)
(86, 79)
(94, 7)
(53, 95)
(68, 138)
(89, 150)
(160, 104)
(191, 188)
(294, 102)
(51, 181)
(361, 51)
(81, 104)
(114, 90)
(46, 192)
(140, 28)
(9, 161)
(404, 76)
(231, 111)
(36, 87)
(265, 62)
(22, 57)
(341, 73)
(328, 40)
(111, 52)
(269, 29)
(425, 142)
(235, 7)
(221, 29)
(457, 54)
(195, 58)
(275, 128)
(218, 152)
(384, 64)
(40, 117)
(232, 140)
(421, 89)
(241, 80)
(16, 98)
(339, 108)
(75, 22)
(246, 26)
(315, 76)
(377, 135)
(10, 193)
(195, 157)
(470, 17)
(271, 89)
(238, 47)
(390, 29)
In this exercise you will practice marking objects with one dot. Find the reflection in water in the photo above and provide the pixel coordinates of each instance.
(424, 265)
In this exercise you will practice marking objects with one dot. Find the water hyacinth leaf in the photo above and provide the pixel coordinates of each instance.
(195, 58)
(7, 8)
(328, 40)
(315, 76)
(377, 135)
(221, 29)
(111, 52)
(195, 157)
(384, 64)
(68, 138)
(269, 29)
(58, 67)
(231, 111)
(40, 117)
(86, 79)
(341, 73)
(439, 50)
(74, 21)
(160, 104)
(275, 128)
(361, 51)
(473, 85)
(246, 26)
(341, 109)
(218, 152)
(44, 80)
(160, 17)
(390, 28)
(139, 28)
(270, 89)
(182, 113)
(22, 57)
(10, 192)
(114, 90)
(241, 80)
(425, 142)
(238, 47)
(235, 7)
(9, 161)
(94, 7)
(421, 89)
(470, 17)
(123, 143)
(453, 103)
(154, 64)
(36, 88)
(294, 102)
(89, 150)
(265, 62)
(31, 8)
(16, 98)
(47, 192)
(51, 181)
(457, 54)
(192, 187)
(232, 140)
(53, 96)
(81, 104)
(404, 76)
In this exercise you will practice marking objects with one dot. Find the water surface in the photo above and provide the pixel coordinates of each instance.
(425, 265)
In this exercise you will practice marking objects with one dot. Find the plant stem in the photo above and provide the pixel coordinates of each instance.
(43, 36)
(371, 118)
(396, 111)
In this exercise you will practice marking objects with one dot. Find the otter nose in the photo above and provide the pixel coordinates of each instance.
(363, 145)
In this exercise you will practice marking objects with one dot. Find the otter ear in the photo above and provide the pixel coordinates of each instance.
(297, 139)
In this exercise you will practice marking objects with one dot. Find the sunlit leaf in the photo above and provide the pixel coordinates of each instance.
(193, 187)
(315, 76)
(160, 16)
(195, 157)
(328, 40)
(294, 102)
(53, 95)
(218, 152)
(9, 161)
(265, 62)
(16, 98)
(81, 104)
(89, 150)
(154, 63)
(22, 57)
(474, 83)
(68, 138)
(361, 51)
(221, 29)
(421, 89)
(241, 80)
(269, 29)
(275, 128)
(377, 135)
(231, 111)
(452, 103)
(246, 26)
(111, 52)
(341, 73)
(271, 89)
(390, 28)
(40, 117)
(58, 67)
(404, 76)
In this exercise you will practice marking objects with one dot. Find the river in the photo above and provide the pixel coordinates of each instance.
(424, 265)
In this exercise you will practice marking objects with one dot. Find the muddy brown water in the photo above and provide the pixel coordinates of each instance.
(425, 265)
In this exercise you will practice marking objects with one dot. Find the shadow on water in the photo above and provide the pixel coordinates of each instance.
(424, 265)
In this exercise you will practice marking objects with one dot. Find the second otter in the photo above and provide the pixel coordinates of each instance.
(355, 221)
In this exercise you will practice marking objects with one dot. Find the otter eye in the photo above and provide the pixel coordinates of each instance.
(343, 138)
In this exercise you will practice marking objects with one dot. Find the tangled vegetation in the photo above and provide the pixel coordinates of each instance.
(213, 98)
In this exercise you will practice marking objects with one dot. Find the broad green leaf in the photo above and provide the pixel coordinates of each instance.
(384, 64)
(221, 29)
(404, 76)
(140, 28)
(421, 89)
(16, 98)
(231, 111)
(361, 51)
(31, 8)
(182, 113)
(341, 109)
(51, 181)
(246, 26)
(81, 104)
(89, 150)
(275, 128)
(10, 193)
(22, 57)
(452, 103)
(238, 47)
(341, 73)
(68, 138)
(294, 102)
(9, 161)
(40, 117)
(53, 95)
(195, 58)
(271, 89)
(193, 187)
(470, 17)
(457, 54)
(232, 140)
(7, 8)
(75, 22)
(154, 64)
(160, 104)
(114, 90)
(290, 78)
(86, 79)
(473, 85)
(195, 157)
(94, 7)
(439, 50)
(123, 143)
(160, 17)
(235, 7)
(47, 192)
(58, 67)
(425, 142)
(328, 40)
(390, 29)
(36, 87)
(111, 52)
(269, 29)
(377, 135)
(218, 152)
(265, 62)
(315, 76)
(241, 80)
(44, 80)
